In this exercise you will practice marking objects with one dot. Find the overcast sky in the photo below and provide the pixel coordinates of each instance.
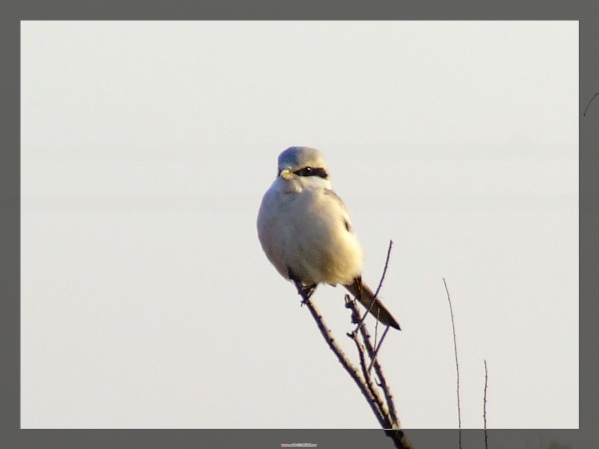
(146, 149)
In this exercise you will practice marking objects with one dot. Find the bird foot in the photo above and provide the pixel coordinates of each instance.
(305, 291)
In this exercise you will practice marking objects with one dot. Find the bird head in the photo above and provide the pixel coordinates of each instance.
(303, 165)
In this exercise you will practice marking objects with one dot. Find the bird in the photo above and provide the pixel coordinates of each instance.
(306, 233)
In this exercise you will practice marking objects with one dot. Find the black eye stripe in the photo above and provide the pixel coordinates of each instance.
(311, 171)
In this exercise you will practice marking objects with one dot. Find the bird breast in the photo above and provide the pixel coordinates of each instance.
(309, 232)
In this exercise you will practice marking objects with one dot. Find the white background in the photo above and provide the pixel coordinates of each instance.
(146, 148)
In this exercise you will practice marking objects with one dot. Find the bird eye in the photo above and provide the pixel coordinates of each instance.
(311, 171)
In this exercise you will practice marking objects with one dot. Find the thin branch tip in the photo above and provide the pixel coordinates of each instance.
(457, 366)
(367, 372)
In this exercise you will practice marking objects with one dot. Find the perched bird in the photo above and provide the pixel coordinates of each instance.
(306, 233)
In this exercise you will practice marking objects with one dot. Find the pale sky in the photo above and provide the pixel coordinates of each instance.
(147, 146)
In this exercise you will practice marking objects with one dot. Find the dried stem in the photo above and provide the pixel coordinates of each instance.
(376, 295)
(457, 366)
(343, 359)
(366, 371)
(485, 408)
(381, 404)
(378, 289)
(590, 101)
(371, 387)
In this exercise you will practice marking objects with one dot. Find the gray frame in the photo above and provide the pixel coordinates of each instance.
(13, 12)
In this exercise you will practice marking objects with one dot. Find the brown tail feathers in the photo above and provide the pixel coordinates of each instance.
(366, 297)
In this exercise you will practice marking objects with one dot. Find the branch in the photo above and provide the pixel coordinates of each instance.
(485, 407)
(382, 407)
(399, 438)
(372, 353)
(378, 289)
(457, 367)
(590, 101)
(345, 362)
(386, 420)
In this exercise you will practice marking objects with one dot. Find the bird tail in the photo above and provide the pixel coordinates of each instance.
(363, 294)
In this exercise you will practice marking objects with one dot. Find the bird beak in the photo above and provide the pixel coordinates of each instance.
(286, 174)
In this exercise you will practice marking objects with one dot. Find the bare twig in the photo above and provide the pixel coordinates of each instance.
(400, 440)
(376, 351)
(485, 407)
(376, 293)
(590, 101)
(371, 387)
(382, 407)
(378, 289)
(457, 366)
(345, 362)
(373, 361)
(384, 386)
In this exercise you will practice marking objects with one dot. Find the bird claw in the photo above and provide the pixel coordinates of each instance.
(305, 291)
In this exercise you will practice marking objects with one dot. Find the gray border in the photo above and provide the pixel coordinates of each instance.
(10, 433)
